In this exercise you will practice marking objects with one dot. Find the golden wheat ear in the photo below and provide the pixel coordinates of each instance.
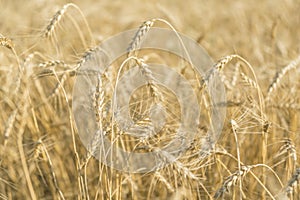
(279, 76)
(8, 43)
(140, 34)
(56, 19)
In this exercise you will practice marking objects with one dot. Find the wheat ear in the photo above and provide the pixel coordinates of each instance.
(58, 16)
(6, 42)
(9, 126)
(86, 56)
(293, 181)
(273, 86)
(240, 174)
(232, 180)
(139, 36)
(52, 63)
(163, 180)
(54, 21)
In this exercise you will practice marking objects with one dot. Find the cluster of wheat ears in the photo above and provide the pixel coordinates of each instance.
(42, 157)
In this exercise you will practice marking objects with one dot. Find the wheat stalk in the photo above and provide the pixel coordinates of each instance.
(234, 127)
(24, 114)
(42, 149)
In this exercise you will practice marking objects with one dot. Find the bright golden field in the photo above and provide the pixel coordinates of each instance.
(255, 48)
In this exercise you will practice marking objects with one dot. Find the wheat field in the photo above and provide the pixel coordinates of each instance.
(255, 51)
